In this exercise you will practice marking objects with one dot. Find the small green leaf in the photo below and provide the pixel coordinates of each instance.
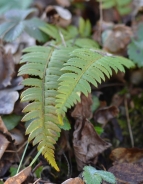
(32, 28)
(66, 125)
(107, 176)
(11, 121)
(81, 26)
(90, 176)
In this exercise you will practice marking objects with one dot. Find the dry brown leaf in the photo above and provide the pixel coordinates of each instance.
(83, 109)
(3, 128)
(57, 15)
(17, 136)
(76, 180)
(103, 115)
(20, 177)
(127, 155)
(6, 68)
(64, 3)
(117, 39)
(87, 144)
(4, 167)
(127, 173)
(3, 144)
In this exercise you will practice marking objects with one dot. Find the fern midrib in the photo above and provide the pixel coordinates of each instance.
(75, 84)
(43, 91)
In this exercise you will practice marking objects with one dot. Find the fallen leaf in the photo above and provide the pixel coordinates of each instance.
(4, 167)
(76, 180)
(20, 177)
(3, 144)
(64, 3)
(6, 68)
(126, 155)
(17, 136)
(57, 15)
(7, 100)
(127, 173)
(83, 109)
(87, 144)
(117, 39)
(103, 115)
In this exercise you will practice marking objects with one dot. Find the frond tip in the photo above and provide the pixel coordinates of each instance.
(85, 67)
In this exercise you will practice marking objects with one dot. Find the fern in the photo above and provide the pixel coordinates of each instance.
(123, 6)
(85, 66)
(58, 75)
(92, 176)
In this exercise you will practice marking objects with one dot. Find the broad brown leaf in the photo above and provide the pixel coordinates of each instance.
(76, 180)
(6, 68)
(103, 115)
(3, 144)
(117, 39)
(83, 109)
(87, 144)
(20, 177)
(127, 155)
(127, 173)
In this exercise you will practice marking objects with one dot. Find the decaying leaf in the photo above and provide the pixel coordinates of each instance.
(3, 144)
(127, 173)
(83, 109)
(127, 155)
(117, 39)
(4, 166)
(20, 177)
(7, 99)
(64, 3)
(103, 115)
(57, 15)
(87, 144)
(17, 136)
(76, 180)
(6, 68)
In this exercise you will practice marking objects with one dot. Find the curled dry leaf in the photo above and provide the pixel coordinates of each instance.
(57, 15)
(7, 99)
(127, 173)
(6, 68)
(127, 155)
(117, 39)
(105, 114)
(87, 144)
(83, 109)
(76, 180)
(20, 177)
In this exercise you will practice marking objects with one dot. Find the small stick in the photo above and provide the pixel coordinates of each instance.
(128, 122)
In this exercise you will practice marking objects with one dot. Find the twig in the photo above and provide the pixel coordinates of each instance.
(37, 180)
(128, 122)
(101, 17)
(62, 38)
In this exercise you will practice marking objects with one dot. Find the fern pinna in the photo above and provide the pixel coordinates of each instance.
(59, 74)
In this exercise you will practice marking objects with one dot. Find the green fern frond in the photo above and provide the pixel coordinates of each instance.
(85, 67)
(39, 111)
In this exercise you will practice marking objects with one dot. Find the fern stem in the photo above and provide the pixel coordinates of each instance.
(35, 158)
(22, 157)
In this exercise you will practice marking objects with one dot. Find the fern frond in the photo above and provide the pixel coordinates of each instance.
(85, 67)
(41, 114)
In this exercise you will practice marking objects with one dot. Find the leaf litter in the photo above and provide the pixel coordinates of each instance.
(81, 144)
